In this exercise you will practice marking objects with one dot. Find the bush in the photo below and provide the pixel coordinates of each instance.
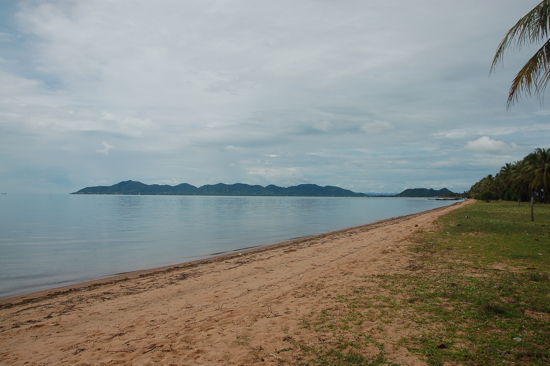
(487, 196)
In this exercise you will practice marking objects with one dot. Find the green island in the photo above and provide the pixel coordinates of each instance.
(476, 292)
(240, 189)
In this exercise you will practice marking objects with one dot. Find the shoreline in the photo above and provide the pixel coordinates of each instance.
(214, 257)
(242, 308)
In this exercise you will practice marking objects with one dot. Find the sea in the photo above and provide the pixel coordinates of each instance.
(48, 241)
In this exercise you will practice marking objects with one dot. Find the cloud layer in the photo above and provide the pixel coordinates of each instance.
(371, 96)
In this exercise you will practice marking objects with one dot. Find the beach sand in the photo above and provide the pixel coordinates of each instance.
(239, 309)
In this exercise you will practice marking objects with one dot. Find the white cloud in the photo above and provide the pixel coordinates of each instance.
(106, 148)
(322, 125)
(487, 145)
(235, 148)
(278, 174)
(467, 131)
(5, 37)
(453, 134)
(540, 127)
(170, 182)
(376, 127)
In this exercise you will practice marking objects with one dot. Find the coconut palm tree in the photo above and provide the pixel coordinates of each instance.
(506, 175)
(535, 74)
(536, 171)
(538, 165)
(520, 180)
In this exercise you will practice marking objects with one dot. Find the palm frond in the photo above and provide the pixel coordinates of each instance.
(533, 76)
(533, 27)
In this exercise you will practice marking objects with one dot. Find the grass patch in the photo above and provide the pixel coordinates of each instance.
(344, 354)
(479, 294)
(493, 265)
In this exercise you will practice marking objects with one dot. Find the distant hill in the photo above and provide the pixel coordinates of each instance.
(130, 187)
(423, 192)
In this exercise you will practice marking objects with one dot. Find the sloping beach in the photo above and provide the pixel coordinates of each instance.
(244, 308)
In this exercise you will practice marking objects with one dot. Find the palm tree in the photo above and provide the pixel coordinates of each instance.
(536, 171)
(538, 164)
(535, 74)
(520, 181)
(506, 177)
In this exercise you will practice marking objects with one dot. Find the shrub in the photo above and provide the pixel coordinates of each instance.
(487, 196)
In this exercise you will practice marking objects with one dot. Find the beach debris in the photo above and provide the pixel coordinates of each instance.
(290, 250)
(272, 314)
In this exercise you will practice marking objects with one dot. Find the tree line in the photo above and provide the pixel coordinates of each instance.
(524, 180)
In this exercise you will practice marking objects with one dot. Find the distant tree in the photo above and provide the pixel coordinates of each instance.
(535, 74)
(519, 180)
(483, 185)
(506, 180)
(487, 196)
(538, 168)
(525, 179)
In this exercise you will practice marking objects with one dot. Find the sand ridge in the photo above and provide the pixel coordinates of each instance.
(238, 309)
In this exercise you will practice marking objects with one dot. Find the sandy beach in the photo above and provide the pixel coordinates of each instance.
(238, 309)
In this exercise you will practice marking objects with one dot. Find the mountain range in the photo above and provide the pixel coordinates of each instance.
(130, 187)
(220, 189)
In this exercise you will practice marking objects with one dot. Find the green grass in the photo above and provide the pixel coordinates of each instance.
(480, 295)
(343, 354)
(496, 232)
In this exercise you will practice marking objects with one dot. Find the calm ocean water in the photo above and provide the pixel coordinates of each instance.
(48, 241)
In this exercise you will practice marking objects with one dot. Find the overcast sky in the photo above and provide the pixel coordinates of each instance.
(372, 96)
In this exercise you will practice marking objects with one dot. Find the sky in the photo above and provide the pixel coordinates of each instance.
(372, 96)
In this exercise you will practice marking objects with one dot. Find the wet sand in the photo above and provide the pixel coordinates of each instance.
(235, 309)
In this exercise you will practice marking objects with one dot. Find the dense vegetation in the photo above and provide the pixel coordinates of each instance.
(519, 181)
(220, 189)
